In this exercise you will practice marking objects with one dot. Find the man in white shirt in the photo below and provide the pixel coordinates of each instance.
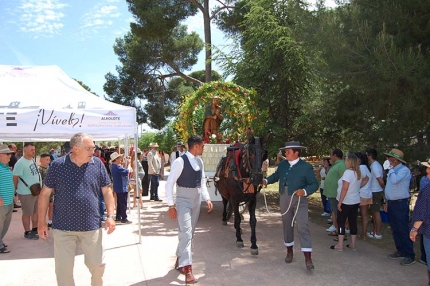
(187, 172)
(180, 150)
(377, 185)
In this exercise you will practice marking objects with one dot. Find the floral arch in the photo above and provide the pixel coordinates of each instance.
(238, 107)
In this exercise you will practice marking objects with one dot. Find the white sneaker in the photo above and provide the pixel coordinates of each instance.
(325, 214)
(374, 235)
(331, 228)
(329, 220)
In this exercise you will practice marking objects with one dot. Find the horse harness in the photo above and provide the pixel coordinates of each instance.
(232, 165)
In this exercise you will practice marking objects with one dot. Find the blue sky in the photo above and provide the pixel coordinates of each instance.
(75, 35)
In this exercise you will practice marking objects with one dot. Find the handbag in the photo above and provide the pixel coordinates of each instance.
(34, 189)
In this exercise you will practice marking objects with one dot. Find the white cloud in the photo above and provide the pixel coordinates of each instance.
(100, 16)
(42, 18)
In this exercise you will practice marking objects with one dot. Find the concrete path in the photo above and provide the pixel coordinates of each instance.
(217, 261)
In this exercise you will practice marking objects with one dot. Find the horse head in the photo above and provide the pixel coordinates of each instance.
(254, 153)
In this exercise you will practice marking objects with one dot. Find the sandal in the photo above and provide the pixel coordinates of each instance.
(333, 233)
(334, 248)
(4, 250)
(350, 247)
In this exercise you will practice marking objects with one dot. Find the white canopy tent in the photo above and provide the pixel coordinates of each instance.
(42, 103)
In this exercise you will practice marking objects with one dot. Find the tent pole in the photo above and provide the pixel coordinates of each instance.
(137, 191)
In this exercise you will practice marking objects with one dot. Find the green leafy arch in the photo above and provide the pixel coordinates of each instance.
(239, 111)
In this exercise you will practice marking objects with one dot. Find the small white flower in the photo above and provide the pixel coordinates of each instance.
(213, 136)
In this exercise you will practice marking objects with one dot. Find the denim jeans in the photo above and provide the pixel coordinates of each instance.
(398, 213)
(426, 241)
(325, 202)
(154, 185)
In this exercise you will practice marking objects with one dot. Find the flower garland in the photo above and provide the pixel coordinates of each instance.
(238, 107)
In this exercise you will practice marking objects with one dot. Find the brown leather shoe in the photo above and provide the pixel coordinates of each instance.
(177, 263)
(308, 261)
(189, 277)
(289, 257)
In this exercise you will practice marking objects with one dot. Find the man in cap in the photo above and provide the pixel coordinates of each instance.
(397, 204)
(154, 166)
(178, 153)
(7, 192)
(296, 181)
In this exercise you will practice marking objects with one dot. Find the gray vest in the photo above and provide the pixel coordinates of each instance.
(189, 177)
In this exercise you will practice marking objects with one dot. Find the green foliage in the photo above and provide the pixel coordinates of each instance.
(141, 82)
(239, 110)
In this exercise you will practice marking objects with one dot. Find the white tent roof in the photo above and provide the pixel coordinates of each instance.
(44, 104)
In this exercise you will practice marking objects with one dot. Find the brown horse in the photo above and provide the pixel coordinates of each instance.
(237, 178)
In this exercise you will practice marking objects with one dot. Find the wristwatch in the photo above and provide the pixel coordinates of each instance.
(414, 229)
(110, 216)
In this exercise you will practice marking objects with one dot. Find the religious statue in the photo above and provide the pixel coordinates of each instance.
(212, 117)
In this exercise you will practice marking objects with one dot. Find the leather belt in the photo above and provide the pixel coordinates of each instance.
(398, 201)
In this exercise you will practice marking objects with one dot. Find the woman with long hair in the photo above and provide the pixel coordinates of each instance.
(348, 196)
(365, 193)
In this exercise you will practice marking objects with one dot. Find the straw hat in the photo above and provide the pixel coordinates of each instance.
(155, 145)
(115, 155)
(427, 163)
(180, 143)
(5, 150)
(293, 145)
(396, 153)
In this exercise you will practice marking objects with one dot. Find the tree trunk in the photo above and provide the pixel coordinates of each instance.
(208, 41)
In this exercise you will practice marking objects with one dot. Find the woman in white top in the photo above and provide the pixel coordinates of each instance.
(365, 192)
(348, 195)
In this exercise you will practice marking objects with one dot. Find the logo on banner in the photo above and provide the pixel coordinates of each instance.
(111, 116)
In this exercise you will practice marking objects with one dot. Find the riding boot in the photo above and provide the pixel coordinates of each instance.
(308, 260)
(289, 257)
(188, 272)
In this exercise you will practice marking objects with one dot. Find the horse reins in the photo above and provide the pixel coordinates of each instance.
(297, 209)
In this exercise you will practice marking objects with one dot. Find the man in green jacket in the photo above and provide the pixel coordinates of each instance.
(296, 181)
(330, 186)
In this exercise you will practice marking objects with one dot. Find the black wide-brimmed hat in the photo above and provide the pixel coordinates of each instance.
(293, 145)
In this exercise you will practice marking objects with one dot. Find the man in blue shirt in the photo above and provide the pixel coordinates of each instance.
(77, 179)
(397, 205)
(7, 191)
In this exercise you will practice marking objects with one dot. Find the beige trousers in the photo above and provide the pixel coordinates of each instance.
(65, 247)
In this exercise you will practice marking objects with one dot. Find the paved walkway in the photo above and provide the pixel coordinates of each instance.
(217, 261)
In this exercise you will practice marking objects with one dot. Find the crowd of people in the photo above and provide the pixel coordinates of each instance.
(82, 188)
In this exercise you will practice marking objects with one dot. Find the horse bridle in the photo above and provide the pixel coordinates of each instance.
(255, 173)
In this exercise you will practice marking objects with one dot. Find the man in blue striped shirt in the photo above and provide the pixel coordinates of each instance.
(7, 192)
